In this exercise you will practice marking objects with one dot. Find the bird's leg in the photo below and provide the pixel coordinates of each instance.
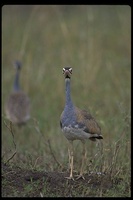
(69, 156)
(70, 151)
(83, 160)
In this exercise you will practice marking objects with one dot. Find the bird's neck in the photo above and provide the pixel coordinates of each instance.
(16, 85)
(68, 93)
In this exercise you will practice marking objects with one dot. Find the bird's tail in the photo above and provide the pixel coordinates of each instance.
(93, 138)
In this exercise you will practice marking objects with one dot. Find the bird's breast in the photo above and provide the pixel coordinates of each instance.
(74, 133)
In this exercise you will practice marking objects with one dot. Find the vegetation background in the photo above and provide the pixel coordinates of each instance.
(96, 42)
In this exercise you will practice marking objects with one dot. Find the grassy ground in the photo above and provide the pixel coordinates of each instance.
(96, 42)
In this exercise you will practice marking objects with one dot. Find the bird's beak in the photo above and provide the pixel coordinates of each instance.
(67, 74)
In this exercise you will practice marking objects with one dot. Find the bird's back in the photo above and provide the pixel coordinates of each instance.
(18, 107)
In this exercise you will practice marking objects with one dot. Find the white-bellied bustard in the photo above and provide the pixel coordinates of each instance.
(17, 107)
(77, 124)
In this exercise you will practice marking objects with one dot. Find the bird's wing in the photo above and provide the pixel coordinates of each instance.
(87, 122)
(61, 119)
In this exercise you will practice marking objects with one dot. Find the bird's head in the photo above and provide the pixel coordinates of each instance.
(67, 71)
(17, 65)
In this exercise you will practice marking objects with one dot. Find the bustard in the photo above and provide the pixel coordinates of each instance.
(77, 124)
(17, 107)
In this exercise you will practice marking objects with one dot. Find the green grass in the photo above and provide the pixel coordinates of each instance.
(96, 42)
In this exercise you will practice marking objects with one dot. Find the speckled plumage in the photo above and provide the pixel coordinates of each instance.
(17, 107)
(75, 123)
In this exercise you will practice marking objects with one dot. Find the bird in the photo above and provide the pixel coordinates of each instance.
(77, 124)
(17, 106)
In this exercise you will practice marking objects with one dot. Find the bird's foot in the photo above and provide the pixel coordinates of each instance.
(80, 176)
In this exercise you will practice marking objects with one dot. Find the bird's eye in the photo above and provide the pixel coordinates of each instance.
(70, 70)
(63, 71)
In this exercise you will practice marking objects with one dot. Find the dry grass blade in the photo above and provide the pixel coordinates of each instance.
(47, 141)
(52, 153)
(11, 130)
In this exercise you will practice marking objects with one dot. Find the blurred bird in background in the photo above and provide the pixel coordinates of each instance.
(17, 107)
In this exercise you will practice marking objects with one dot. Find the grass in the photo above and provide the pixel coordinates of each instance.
(96, 42)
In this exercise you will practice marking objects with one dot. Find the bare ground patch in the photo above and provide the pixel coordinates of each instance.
(27, 183)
